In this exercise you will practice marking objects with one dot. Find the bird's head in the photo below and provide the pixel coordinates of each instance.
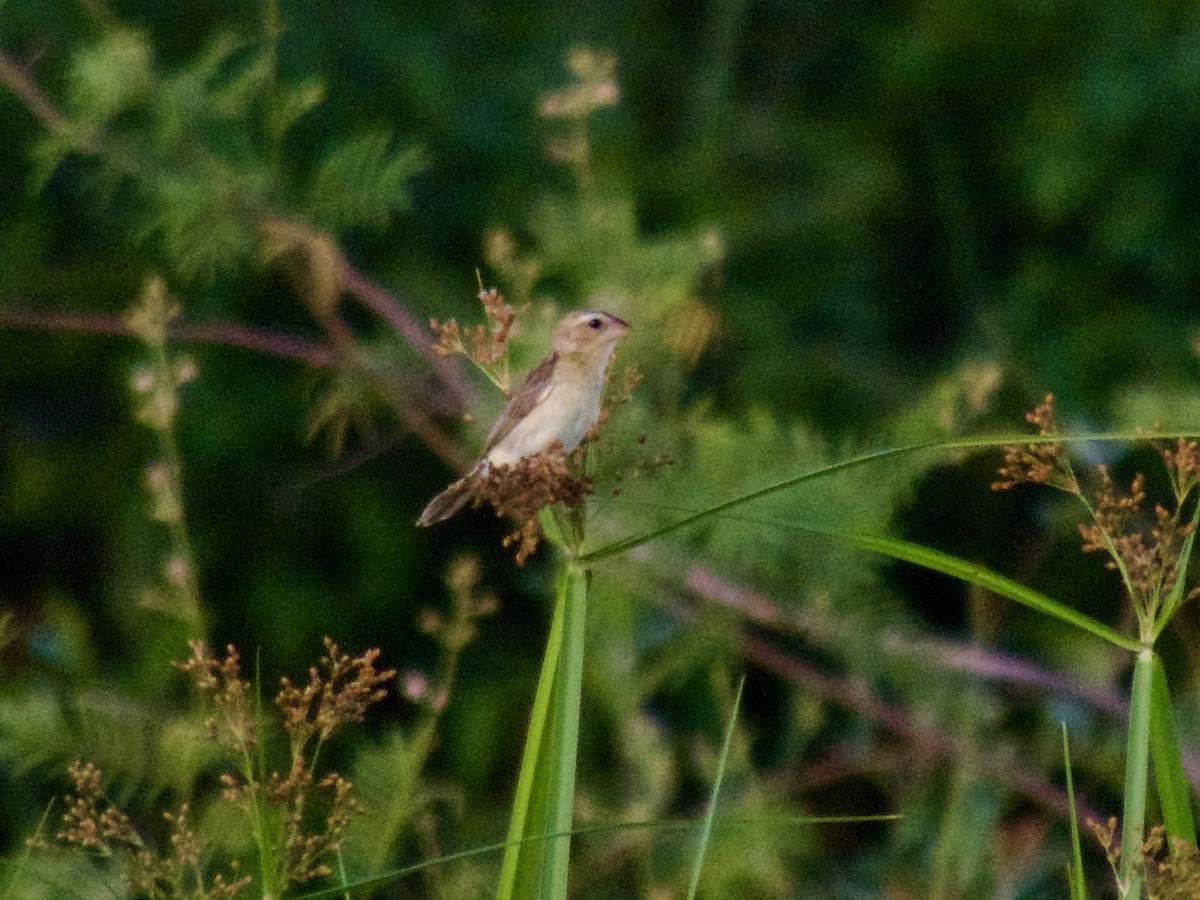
(588, 333)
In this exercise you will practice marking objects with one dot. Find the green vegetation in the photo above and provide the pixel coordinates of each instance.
(780, 637)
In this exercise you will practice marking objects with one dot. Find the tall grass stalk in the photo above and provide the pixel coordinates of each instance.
(1174, 789)
(1137, 770)
(156, 393)
(543, 807)
(1075, 868)
(710, 813)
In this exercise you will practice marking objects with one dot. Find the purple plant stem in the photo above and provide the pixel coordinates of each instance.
(273, 343)
(13, 77)
(388, 308)
(936, 653)
(287, 346)
(855, 695)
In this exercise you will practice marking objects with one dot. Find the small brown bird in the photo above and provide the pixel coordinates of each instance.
(557, 401)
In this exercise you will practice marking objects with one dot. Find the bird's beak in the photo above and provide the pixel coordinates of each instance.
(625, 326)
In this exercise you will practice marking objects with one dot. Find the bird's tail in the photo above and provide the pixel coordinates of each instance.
(446, 504)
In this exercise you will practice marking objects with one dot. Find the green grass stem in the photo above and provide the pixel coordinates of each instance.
(544, 801)
(664, 825)
(1174, 790)
(1137, 762)
(1075, 869)
(968, 443)
(707, 825)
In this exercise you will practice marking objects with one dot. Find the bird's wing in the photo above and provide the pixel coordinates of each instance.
(533, 390)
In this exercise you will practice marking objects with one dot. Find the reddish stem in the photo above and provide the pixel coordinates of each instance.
(311, 353)
(232, 334)
(388, 308)
(16, 80)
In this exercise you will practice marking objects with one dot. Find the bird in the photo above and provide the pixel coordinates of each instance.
(558, 401)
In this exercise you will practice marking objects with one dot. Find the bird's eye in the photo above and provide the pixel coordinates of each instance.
(595, 324)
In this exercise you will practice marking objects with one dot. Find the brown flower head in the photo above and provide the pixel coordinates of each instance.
(1037, 463)
(485, 344)
(522, 490)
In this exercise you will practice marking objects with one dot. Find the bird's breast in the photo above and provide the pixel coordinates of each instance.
(567, 412)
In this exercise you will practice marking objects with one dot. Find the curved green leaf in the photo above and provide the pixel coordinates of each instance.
(969, 443)
(1137, 771)
(707, 827)
(1174, 793)
(546, 785)
(973, 573)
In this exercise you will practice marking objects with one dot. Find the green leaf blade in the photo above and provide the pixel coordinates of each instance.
(1174, 792)
(539, 838)
(979, 575)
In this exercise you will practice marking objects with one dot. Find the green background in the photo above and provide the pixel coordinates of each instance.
(834, 228)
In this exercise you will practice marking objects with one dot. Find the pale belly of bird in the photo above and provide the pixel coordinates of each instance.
(565, 415)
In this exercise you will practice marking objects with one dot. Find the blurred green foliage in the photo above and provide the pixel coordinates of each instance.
(833, 226)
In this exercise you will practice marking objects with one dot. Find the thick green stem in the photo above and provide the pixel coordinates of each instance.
(539, 841)
(1137, 763)
(569, 699)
